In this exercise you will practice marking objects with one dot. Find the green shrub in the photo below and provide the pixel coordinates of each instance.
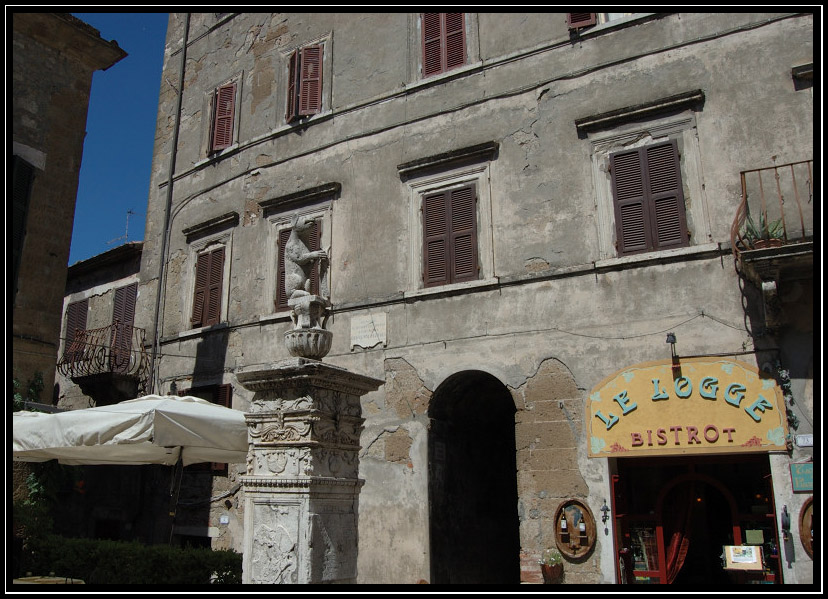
(118, 562)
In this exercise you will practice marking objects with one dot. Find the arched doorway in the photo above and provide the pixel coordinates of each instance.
(698, 517)
(473, 482)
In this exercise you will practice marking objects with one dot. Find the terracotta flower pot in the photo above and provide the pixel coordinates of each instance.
(767, 243)
(551, 573)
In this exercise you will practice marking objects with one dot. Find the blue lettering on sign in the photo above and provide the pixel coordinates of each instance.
(623, 401)
(734, 394)
(709, 387)
(659, 393)
(608, 421)
(683, 386)
(760, 404)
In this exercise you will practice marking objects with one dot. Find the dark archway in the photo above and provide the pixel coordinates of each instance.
(473, 482)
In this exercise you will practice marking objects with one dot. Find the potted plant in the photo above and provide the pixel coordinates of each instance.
(764, 234)
(551, 563)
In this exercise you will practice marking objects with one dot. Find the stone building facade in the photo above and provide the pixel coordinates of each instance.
(514, 207)
(53, 58)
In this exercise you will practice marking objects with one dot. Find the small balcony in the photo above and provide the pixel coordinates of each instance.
(772, 234)
(109, 364)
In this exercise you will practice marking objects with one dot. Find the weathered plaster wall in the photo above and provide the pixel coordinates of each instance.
(556, 317)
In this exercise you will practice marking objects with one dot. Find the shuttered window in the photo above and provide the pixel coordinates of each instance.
(208, 284)
(648, 199)
(224, 103)
(123, 317)
(75, 321)
(22, 177)
(217, 394)
(576, 20)
(304, 82)
(450, 236)
(314, 243)
(444, 42)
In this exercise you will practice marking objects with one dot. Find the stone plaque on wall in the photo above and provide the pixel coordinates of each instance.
(368, 330)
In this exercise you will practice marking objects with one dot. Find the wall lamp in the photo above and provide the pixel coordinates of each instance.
(605, 516)
(671, 339)
(786, 523)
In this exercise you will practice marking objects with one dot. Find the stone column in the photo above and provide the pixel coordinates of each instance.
(302, 484)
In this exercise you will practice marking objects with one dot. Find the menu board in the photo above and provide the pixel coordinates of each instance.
(743, 557)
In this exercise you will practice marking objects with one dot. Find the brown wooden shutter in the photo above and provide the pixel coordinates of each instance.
(576, 20)
(463, 234)
(75, 321)
(444, 42)
(222, 396)
(450, 236)
(666, 196)
(292, 97)
(435, 240)
(123, 316)
(649, 202)
(631, 214)
(213, 301)
(314, 241)
(310, 85)
(202, 279)
(224, 112)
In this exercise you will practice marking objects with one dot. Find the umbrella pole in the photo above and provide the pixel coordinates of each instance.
(175, 487)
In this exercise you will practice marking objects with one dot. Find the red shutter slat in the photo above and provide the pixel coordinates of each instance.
(576, 20)
(224, 112)
(292, 97)
(123, 316)
(435, 240)
(281, 295)
(463, 234)
(76, 314)
(313, 245)
(310, 90)
(455, 40)
(444, 42)
(432, 43)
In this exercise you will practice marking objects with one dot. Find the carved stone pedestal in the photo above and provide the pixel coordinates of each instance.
(302, 486)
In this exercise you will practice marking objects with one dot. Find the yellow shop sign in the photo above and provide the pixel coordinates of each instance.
(693, 405)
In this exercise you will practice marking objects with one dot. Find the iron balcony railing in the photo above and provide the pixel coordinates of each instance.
(116, 349)
(776, 209)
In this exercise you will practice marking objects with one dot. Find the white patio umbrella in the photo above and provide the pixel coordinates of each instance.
(149, 430)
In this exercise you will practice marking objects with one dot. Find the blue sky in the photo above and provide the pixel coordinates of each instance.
(120, 130)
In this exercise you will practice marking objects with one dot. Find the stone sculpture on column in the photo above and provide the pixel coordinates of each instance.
(301, 489)
(309, 312)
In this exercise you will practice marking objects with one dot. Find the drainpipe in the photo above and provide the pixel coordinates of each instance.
(162, 270)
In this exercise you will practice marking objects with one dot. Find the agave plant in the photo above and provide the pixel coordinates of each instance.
(763, 230)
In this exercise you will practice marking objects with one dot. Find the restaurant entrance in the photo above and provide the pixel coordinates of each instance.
(675, 515)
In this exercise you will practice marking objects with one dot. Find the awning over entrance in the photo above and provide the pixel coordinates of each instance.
(686, 406)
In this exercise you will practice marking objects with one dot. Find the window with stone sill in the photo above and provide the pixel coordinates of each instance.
(306, 80)
(221, 105)
(314, 204)
(450, 218)
(647, 171)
